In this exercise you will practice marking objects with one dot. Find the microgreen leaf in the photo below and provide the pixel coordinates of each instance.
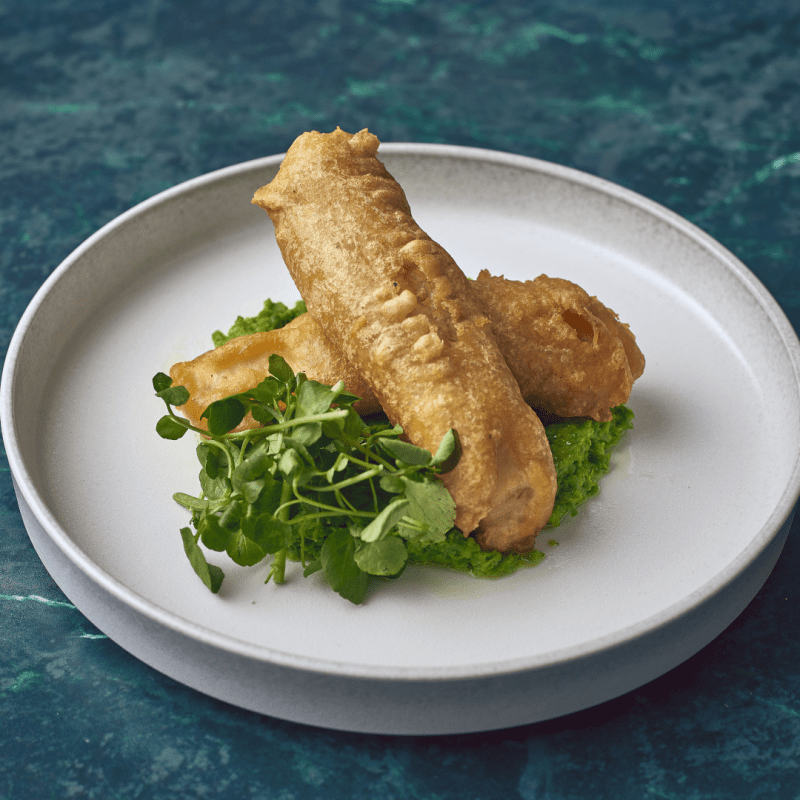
(314, 566)
(338, 465)
(211, 458)
(392, 484)
(215, 488)
(405, 452)
(280, 369)
(385, 557)
(353, 424)
(243, 551)
(269, 533)
(268, 391)
(307, 433)
(341, 570)
(290, 462)
(314, 398)
(449, 452)
(212, 534)
(170, 428)
(224, 415)
(208, 573)
(431, 507)
(385, 521)
(174, 395)
(161, 381)
(251, 476)
(187, 501)
(230, 519)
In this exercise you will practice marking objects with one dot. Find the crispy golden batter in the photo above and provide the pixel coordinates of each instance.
(571, 355)
(243, 362)
(402, 312)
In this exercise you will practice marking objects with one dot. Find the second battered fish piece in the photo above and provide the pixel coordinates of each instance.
(243, 362)
(402, 312)
(571, 355)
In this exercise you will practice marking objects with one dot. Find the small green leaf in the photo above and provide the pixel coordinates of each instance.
(392, 484)
(430, 505)
(211, 575)
(264, 415)
(212, 534)
(385, 521)
(267, 392)
(170, 428)
(449, 452)
(174, 395)
(405, 452)
(243, 551)
(333, 428)
(280, 369)
(314, 398)
(250, 490)
(314, 566)
(251, 476)
(215, 488)
(290, 462)
(385, 431)
(337, 466)
(187, 501)
(353, 424)
(161, 381)
(341, 570)
(270, 498)
(224, 415)
(256, 464)
(307, 433)
(231, 517)
(211, 458)
(269, 533)
(385, 557)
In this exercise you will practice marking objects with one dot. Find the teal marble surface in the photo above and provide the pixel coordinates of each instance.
(104, 103)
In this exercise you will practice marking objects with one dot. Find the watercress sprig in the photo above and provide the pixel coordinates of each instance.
(314, 483)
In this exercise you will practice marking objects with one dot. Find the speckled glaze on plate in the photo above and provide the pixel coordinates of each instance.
(686, 529)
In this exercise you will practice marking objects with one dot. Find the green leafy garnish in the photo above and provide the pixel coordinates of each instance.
(315, 483)
(306, 493)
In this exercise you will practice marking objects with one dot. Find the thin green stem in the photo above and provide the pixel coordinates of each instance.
(229, 459)
(343, 501)
(282, 426)
(278, 570)
(364, 476)
(338, 512)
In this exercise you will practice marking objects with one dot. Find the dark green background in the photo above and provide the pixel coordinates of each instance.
(693, 104)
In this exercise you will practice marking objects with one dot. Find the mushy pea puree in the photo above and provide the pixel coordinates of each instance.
(581, 452)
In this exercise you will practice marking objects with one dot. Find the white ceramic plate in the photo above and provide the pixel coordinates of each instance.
(685, 531)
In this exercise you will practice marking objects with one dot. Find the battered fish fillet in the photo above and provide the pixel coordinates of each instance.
(570, 354)
(242, 363)
(401, 311)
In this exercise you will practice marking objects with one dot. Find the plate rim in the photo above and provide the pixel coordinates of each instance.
(25, 484)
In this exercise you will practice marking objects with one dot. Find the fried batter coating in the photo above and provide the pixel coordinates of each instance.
(571, 355)
(402, 312)
(243, 362)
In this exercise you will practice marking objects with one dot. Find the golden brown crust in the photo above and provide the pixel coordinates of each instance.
(243, 362)
(571, 355)
(400, 310)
